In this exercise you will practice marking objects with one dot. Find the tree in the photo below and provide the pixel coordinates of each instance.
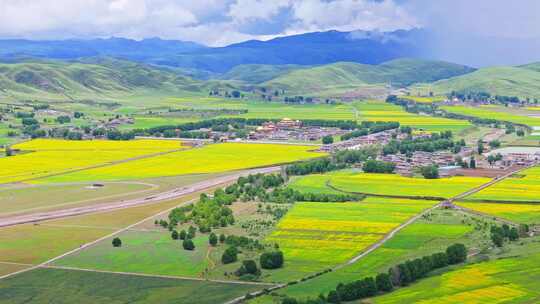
(188, 244)
(333, 297)
(212, 239)
(222, 238)
(326, 140)
(513, 235)
(117, 242)
(230, 255)
(520, 133)
(480, 147)
(472, 163)
(497, 239)
(174, 235)
(456, 253)
(289, 301)
(248, 267)
(494, 144)
(272, 260)
(183, 235)
(430, 172)
(384, 282)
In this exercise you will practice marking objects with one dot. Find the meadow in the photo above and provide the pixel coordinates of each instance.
(381, 111)
(521, 187)
(425, 236)
(34, 244)
(72, 286)
(208, 159)
(509, 280)
(378, 184)
(49, 156)
(424, 99)
(150, 252)
(494, 112)
(316, 236)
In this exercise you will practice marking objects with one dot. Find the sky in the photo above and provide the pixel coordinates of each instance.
(458, 23)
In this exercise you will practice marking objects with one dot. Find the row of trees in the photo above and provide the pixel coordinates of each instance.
(375, 166)
(434, 142)
(288, 195)
(338, 161)
(371, 128)
(399, 275)
(504, 232)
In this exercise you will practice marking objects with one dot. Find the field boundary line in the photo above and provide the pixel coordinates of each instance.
(148, 275)
(15, 263)
(87, 245)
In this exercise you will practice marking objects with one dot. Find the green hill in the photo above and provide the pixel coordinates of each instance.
(101, 77)
(257, 73)
(508, 81)
(401, 72)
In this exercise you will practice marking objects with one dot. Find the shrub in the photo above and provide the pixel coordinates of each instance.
(272, 260)
(188, 244)
(212, 239)
(117, 242)
(230, 255)
(456, 253)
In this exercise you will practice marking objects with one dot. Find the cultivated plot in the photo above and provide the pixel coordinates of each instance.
(521, 187)
(379, 184)
(208, 159)
(71, 286)
(47, 157)
(510, 280)
(426, 236)
(316, 236)
(381, 111)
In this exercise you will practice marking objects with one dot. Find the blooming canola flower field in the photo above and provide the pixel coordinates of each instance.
(207, 159)
(315, 236)
(43, 157)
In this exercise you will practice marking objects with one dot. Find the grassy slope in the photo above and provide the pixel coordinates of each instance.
(67, 286)
(348, 74)
(257, 73)
(507, 81)
(56, 79)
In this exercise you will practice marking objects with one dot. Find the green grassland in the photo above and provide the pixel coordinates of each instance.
(381, 111)
(509, 280)
(378, 184)
(522, 187)
(505, 81)
(348, 75)
(316, 236)
(144, 252)
(429, 234)
(34, 244)
(69, 286)
(494, 112)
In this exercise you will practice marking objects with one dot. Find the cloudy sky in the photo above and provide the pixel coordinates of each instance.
(220, 22)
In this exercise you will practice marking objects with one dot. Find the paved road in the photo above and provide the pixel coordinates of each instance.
(164, 196)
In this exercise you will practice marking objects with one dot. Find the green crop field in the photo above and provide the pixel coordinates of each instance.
(522, 187)
(494, 112)
(509, 280)
(208, 159)
(315, 236)
(378, 184)
(425, 236)
(381, 111)
(71, 286)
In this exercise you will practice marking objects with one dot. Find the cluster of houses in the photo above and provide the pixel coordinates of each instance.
(288, 129)
(357, 143)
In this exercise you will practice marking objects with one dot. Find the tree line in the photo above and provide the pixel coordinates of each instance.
(370, 128)
(399, 275)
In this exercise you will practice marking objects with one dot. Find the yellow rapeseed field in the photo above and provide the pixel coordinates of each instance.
(521, 213)
(314, 236)
(43, 157)
(208, 159)
(524, 187)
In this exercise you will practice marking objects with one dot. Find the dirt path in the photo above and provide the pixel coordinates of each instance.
(167, 195)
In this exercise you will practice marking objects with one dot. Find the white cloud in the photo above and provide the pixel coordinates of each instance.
(214, 22)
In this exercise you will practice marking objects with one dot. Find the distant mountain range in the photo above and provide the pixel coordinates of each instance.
(305, 49)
